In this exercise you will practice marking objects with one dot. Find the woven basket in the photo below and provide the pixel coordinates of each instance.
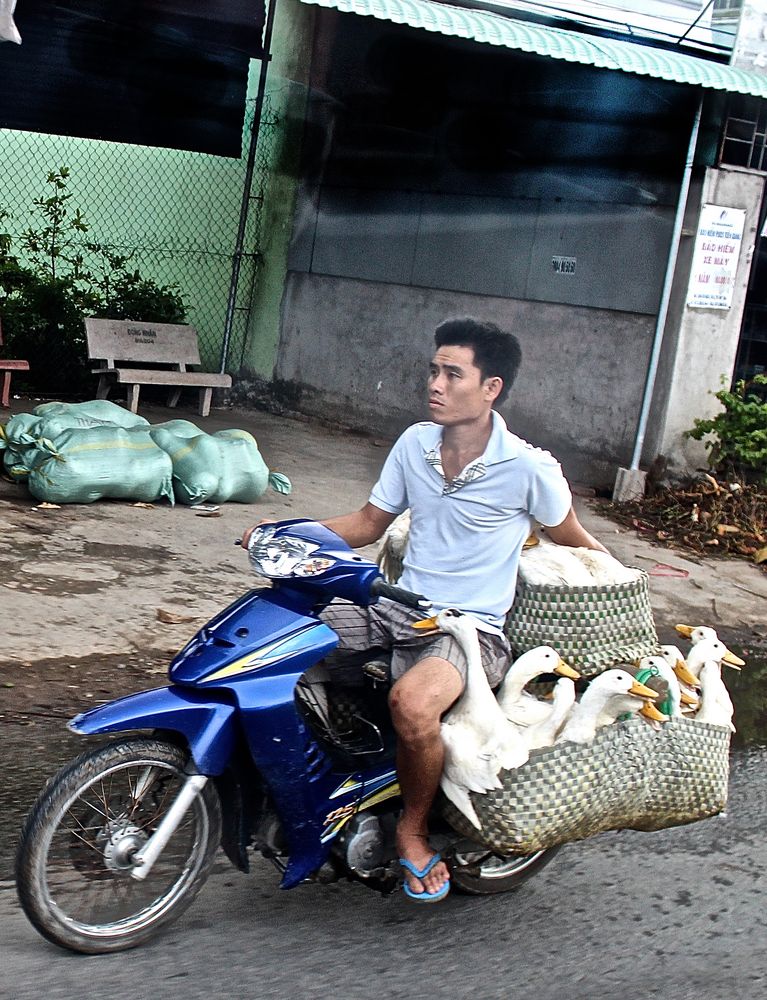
(629, 776)
(592, 628)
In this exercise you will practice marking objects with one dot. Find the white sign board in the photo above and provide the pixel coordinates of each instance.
(715, 258)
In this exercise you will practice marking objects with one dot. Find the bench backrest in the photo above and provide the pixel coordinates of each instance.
(114, 340)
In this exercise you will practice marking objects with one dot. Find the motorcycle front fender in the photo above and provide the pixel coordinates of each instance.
(207, 725)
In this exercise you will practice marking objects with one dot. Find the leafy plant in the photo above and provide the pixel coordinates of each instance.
(55, 240)
(56, 278)
(738, 444)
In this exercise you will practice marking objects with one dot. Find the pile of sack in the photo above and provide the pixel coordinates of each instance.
(82, 452)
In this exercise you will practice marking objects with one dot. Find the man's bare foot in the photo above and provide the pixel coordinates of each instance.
(415, 848)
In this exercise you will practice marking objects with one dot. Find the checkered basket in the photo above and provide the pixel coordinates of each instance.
(630, 776)
(592, 628)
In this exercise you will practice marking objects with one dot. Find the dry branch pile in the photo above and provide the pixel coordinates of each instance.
(703, 515)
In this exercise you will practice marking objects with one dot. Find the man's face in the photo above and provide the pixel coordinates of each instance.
(457, 392)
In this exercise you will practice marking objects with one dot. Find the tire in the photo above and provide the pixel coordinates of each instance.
(73, 860)
(482, 873)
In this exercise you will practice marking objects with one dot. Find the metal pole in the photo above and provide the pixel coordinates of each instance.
(250, 166)
(660, 324)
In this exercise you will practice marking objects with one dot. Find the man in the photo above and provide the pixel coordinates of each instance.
(474, 490)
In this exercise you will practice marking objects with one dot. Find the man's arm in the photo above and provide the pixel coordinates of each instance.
(357, 529)
(571, 532)
(362, 527)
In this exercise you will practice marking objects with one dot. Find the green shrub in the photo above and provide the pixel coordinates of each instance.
(738, 444)
(55, 280)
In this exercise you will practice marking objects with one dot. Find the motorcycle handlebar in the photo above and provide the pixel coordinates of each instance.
(380, 588)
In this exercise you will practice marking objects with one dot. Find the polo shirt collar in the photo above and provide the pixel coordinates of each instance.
(503, 446)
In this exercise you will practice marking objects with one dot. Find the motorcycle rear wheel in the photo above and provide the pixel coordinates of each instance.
(74, 857)
(482, 873)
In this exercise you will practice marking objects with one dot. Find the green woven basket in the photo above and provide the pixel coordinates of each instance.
(629, 776)
(592, 628)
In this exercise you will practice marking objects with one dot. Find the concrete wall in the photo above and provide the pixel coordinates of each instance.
(700, 345)
(356, 352)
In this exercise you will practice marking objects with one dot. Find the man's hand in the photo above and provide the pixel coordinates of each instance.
(246, 535)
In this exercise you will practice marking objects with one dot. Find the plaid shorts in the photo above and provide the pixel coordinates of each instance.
(388, 626)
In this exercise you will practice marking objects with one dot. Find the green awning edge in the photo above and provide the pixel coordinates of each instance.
(489, 28)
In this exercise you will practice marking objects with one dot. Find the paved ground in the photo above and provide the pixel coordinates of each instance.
(90, 579)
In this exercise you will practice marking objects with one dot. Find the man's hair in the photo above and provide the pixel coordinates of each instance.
(496, 352)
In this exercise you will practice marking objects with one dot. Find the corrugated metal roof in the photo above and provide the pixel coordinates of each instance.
(556, 43)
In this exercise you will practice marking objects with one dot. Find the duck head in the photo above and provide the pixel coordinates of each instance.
(696, 633)
(712, 650)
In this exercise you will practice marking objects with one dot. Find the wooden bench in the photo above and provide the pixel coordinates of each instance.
(7, 368)
(119, 344)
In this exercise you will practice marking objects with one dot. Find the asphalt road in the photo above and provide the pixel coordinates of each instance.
(626, 916)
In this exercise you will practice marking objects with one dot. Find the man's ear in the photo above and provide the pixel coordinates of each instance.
(493, 387)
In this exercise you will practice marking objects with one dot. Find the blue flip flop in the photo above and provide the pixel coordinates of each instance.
(424, 897)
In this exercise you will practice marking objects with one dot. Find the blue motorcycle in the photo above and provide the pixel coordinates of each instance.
(255, 746)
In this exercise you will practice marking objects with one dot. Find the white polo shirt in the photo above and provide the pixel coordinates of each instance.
(466, 536)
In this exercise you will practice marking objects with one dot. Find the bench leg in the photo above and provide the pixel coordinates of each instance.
(173, 397)
(205, 398)
(5, 395)
(103, 387)
(133, 391)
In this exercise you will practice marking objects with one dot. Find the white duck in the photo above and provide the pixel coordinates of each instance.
(478, 739)
(715, 703)
(543, 734)
(709, 649)
(697, 633)
(609, 695)
(518, 705)
(688, 684)
(391, 550)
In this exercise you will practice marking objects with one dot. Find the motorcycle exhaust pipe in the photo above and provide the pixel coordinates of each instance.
(143, 860)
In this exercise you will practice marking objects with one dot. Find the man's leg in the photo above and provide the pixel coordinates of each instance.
(418, 700)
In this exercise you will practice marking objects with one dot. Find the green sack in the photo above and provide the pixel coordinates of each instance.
(180, 428)
(82, 466)
(217, 468)
(102, 411)
(195, 462)
(244, 473)
(19, 443)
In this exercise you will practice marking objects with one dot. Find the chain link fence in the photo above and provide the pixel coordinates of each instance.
(172, 215)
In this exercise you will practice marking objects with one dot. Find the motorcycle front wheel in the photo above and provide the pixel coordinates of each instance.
(483, 873)
(74, 858)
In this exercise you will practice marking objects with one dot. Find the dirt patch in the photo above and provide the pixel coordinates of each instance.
(60, 688)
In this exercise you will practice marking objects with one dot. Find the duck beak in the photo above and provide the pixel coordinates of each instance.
(531, 541)
(685, 675)
(733, 661)
(649, 711)
(685, 630)
(565, 670)
(687, 699)
(427, 624)
(642, 691)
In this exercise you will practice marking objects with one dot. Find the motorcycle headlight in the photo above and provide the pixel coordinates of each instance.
(284, 556)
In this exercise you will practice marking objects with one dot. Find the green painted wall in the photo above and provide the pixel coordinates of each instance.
(175, 211)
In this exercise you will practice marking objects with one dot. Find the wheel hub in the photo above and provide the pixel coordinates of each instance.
(124, 842)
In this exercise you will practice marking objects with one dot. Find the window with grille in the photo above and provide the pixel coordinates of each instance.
(744, 137)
